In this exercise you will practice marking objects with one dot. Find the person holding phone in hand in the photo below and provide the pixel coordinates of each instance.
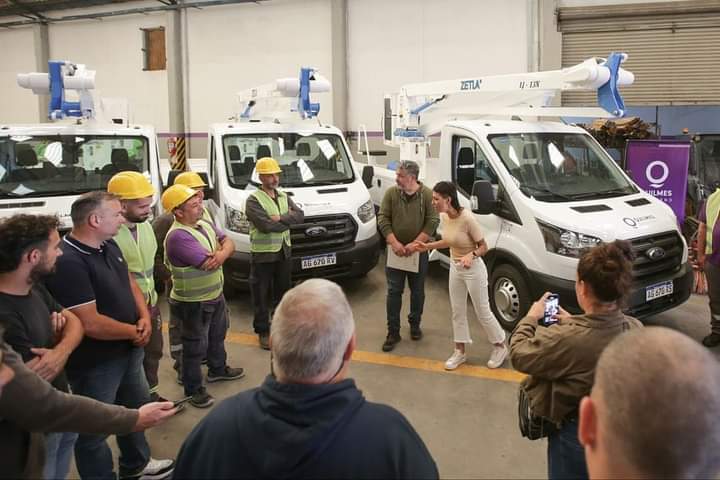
(461, 233)
(560, 359)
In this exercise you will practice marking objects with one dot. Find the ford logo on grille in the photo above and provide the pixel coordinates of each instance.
(316, 231)
(655, 253)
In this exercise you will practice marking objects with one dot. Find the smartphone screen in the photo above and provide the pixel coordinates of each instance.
(552, 305)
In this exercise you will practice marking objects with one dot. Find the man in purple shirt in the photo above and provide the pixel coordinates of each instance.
(194, 252)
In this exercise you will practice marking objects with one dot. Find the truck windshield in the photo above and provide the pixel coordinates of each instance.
(557, 167)
(66, 164)
(317, 159)
(707, 157)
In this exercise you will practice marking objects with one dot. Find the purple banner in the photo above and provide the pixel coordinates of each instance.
(660, 167)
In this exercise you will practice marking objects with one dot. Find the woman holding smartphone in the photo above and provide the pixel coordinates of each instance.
(462, 234)
(560, 359)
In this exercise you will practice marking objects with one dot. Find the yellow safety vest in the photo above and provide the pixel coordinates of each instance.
(712, 210)
(190, 284)
(140, 257)
(271, 242)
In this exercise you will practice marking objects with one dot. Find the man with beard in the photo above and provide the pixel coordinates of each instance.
(136, 240)
(92, 280)
(37, 327)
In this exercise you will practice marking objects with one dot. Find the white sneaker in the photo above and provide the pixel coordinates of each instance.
(498, 356)
(156, 470)
(455, 360)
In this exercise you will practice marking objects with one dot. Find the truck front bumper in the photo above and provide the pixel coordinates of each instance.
(355, 261)
(636, 303)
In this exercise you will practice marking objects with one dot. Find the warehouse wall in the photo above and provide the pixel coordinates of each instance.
(17, 56)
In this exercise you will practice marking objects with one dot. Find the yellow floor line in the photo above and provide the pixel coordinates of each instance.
(415, 363)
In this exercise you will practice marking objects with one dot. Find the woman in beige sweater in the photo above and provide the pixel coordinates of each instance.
(462, 234)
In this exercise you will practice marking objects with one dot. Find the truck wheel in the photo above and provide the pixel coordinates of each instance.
(509, 296)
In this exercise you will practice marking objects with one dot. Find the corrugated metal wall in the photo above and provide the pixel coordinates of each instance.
(673, 48)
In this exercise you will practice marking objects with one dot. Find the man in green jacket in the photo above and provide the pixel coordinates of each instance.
(406, 216)
(136, 240)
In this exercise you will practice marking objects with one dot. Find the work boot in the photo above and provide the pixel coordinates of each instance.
(712, 340)
(227, 374)
(202, 399)
(393, 338)
(416, 332)
(264, 339)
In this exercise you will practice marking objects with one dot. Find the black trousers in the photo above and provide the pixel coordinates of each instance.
(268, 283)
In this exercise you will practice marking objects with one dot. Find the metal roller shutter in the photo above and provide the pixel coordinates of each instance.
(673, 48)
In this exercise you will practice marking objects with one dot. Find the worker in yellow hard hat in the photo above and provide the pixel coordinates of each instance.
(270, 212)
(137, 242)
(195, 251)
(195, 181)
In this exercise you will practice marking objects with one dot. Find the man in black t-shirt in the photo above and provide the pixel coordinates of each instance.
(92, 281)
(36, 326)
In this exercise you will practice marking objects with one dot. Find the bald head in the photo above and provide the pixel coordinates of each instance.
(655, 408)
(311, 330)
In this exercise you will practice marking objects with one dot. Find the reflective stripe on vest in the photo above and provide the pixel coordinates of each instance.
(712, 210)
(271, 242)
(140, 256)
(190, 284)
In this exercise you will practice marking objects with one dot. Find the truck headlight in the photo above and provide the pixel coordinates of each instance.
(566, 242)
(366, 211)
(236, 221)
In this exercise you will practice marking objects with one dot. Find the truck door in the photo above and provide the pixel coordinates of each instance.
(469, 165)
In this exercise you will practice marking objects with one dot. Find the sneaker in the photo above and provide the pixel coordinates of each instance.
(392, 339)
(712, 340)
(227, 374)
(416, 332)
(154, 470)
(455, 360)
(201, 399)
(264, 339)
(498, 356)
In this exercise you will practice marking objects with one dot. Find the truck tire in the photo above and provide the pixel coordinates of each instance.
(509, 296)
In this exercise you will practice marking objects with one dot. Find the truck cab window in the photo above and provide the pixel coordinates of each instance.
(471, 164)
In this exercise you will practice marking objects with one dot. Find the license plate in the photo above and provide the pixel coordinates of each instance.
(658, 290)
(318, 261)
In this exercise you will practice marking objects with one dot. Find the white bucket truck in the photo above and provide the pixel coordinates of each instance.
(543, 191)
(45, 167)
(339, 235)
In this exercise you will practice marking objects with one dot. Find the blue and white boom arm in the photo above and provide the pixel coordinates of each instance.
(419, 110)
(63, 76)
(284, 97)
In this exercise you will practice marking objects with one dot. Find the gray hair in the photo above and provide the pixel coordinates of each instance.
(660, 396)
(88, 203)
(410, 167)
(311, 329)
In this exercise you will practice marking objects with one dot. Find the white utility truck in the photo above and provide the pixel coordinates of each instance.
(45, 167)
(543, 191)
(339, 235)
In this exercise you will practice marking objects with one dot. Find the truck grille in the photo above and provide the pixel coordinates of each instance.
(331, 233)
(648, 260)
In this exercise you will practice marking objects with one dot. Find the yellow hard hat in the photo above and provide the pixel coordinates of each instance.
(267, 165)
(130, 185)
(175, 196)
(191, 179)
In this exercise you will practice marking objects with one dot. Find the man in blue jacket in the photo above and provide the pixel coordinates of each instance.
(308, 419)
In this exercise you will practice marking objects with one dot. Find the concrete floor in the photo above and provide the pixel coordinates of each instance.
(467, 418)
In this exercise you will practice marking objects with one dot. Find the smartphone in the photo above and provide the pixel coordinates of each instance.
(177, 403)
(552, 307)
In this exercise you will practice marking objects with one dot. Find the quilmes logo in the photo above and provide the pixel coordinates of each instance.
(470, 84)
(316, 231)
(652, 171)
(634, 221)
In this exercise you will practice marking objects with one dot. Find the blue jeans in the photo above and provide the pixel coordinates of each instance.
(58, 452)
(203, 329)
(396, 285)
(120, 381)
(566, 457)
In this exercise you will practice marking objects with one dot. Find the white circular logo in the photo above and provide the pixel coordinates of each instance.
(657, 182)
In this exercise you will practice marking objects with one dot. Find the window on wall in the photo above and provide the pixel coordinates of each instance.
(153, 48)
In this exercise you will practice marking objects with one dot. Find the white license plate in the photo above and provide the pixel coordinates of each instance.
(318, 261)
(658, 290)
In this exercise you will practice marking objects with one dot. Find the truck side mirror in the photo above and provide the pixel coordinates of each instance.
(483, 198)
(368, 172)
